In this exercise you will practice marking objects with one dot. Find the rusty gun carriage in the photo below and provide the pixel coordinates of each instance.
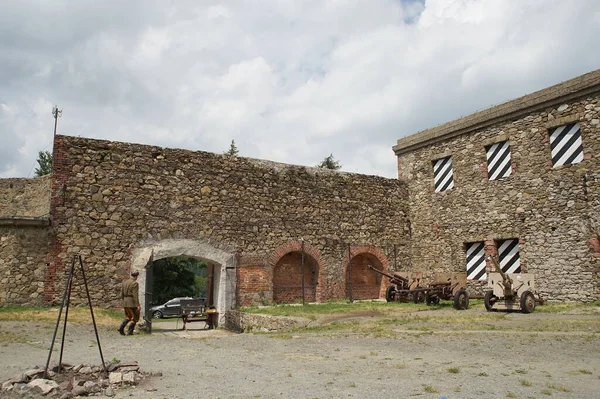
(403, 286)
(448, 286)
(509, 291)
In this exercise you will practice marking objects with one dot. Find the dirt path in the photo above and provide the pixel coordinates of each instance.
(497, 363)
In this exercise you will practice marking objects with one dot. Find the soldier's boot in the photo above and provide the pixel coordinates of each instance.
(131, 327)
(121, 328)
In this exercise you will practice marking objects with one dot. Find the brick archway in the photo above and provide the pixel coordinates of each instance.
(364, 282)
(288, 272)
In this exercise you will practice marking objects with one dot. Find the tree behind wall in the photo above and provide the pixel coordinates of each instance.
(45, 162)
(330, 163)
(178, 277)
(233, 150)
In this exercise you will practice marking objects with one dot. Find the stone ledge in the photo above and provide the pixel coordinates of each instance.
(24, 221)
(569, 90)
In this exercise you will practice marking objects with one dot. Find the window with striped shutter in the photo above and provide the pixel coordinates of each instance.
(566, 145)
(442, 174)
(476, 261)
(498, 160)
(508, 253)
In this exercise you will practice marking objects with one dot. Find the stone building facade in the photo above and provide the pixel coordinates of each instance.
(520, 180)
(269, 229)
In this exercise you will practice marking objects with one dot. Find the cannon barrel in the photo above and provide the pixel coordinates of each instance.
(380, 272)
(506, 281)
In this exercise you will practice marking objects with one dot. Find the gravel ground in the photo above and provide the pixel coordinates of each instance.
(220, 364)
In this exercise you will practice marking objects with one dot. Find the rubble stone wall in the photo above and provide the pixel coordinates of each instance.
(25, 197)
(554, 212)
(110, 198)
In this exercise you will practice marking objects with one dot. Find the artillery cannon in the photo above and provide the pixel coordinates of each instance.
(403, 286)
(509, 291)
(448, 286)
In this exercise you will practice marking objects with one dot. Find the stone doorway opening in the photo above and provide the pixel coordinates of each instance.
(362, 282)
(295, 278)
(221, 272)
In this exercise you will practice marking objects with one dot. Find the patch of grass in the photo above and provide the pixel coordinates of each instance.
(400, 366)
(282, 336)
(525, 383)
(362, 357)
(511, 395)
(373, 353)
(521, 371)
(430, 389)
(546, 392)
(454, 370)
(353, 385)
(482, 374)
(289, 375)
(7, 337)
(77, 314)
(559, 388)
(584, 371)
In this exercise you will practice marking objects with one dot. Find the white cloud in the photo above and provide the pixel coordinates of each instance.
(289, 81)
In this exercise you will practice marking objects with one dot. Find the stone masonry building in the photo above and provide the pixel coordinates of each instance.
(520, 180)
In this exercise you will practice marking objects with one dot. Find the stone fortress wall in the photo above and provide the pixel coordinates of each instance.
(552, 211)
(112, 201)
(24, 239)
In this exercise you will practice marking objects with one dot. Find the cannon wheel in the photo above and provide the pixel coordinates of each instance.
(527, 302)
(417, 297)
(390, 293)
(461, 299)
(489, 300)
(432, 299)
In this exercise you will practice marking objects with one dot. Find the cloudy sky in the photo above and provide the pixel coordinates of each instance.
(288, 80)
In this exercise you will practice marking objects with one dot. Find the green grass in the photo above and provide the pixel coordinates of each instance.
(525, 383)
(77, 314)
(430, 389)
(454, 370)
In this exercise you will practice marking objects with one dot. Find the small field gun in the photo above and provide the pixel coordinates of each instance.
(401, 285)
(503, 293)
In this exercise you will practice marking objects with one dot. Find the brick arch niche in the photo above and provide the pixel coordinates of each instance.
(361, 281)
(287, 278)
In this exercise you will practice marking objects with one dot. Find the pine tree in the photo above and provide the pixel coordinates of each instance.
(330, 163)
(233, 150)
(45, 159)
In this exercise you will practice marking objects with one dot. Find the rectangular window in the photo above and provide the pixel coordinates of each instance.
(508, 253)
(476, 261)
(498, 160)
(566, 145)
(442, 174)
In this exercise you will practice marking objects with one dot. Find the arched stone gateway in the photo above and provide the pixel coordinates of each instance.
(223, 262)
(361, 281)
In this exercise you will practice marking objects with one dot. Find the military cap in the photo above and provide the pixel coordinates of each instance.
(135, 273)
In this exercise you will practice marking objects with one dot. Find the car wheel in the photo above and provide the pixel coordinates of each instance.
(157, 315)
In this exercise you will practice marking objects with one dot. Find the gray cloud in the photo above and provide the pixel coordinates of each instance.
(289, 81)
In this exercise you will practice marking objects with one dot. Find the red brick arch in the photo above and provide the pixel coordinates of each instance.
(292, 293)
(362, 273)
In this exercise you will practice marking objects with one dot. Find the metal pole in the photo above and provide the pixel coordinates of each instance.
(87, 291)
(59, 316)
(395, 258)
(350, 274)
(56, 112)
(62, 341)
(303, 298)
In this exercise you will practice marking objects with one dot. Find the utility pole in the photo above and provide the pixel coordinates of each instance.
(57, 113)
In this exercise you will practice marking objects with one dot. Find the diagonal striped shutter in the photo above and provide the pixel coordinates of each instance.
(476, 261)
(498, 160)
(508, 252)
(442, 174)
(566, 145)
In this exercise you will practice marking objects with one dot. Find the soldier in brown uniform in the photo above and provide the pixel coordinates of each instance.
(131, 303)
